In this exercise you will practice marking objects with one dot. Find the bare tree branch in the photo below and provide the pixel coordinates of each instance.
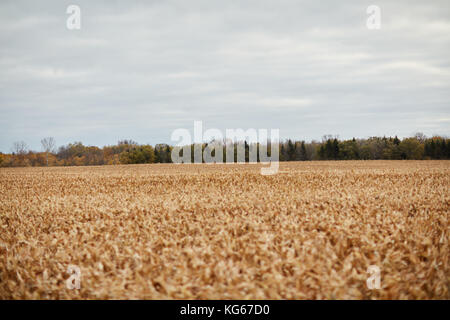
(19, 148)
(48, 144)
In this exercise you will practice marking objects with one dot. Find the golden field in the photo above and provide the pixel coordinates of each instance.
(226, 231)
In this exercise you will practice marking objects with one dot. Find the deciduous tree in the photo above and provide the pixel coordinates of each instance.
(49, 145)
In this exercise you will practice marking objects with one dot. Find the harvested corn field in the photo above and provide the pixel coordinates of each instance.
(226, 231)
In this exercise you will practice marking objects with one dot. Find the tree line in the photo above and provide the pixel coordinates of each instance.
(418, 147)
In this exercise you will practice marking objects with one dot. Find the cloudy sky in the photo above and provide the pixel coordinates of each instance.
(141, 69)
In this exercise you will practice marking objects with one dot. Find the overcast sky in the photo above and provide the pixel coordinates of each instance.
(141, 69)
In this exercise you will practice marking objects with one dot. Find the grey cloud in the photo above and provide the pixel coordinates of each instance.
(142, 69)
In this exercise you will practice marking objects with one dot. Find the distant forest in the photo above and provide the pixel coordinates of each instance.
(418, 147)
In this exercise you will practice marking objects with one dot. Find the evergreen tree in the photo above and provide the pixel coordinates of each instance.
(329, 149)
(247, 151)
(282, 153)
(303, 155)
(291, 150)
(335, 149)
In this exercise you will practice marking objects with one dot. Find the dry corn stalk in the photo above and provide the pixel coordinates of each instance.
(226, 232)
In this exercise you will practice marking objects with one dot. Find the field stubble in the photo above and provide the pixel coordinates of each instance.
(226, 232)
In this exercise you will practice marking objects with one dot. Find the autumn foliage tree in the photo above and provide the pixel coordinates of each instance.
(417, 147)
(138, 154)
